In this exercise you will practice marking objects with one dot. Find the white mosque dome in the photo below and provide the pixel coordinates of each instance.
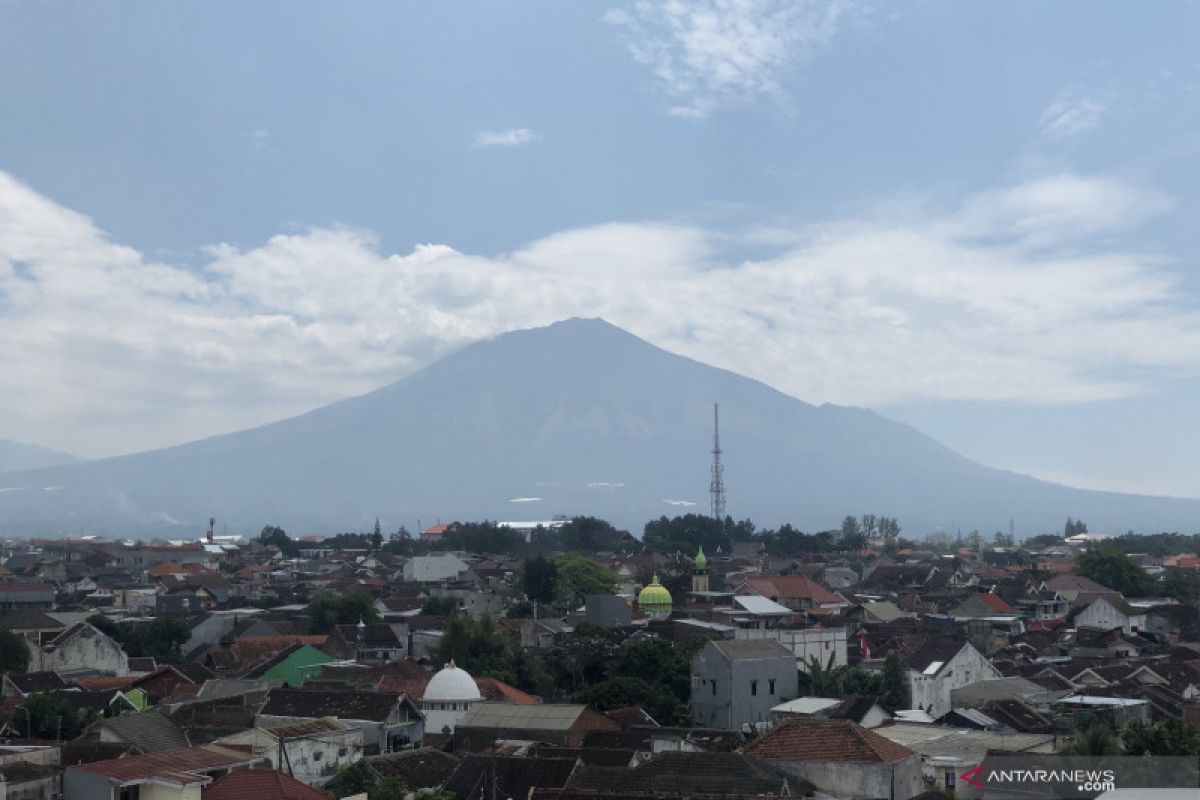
(451, 684)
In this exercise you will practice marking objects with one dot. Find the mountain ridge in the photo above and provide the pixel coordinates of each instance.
(582, 415)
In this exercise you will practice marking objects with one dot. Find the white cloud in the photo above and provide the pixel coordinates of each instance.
(708, 52)
(513, 137)
(1070, 115)
(1007, 297)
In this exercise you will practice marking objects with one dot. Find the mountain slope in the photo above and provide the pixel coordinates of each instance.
(581, 414)
(18, 456)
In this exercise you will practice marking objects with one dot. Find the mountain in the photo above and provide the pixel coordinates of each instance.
(582, 415)
(15, 455)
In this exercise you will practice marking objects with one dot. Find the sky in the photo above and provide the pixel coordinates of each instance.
(974, 218)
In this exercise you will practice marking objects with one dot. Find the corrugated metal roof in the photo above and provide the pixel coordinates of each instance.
(548, 716)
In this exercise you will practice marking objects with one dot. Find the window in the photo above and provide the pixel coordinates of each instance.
(128, 792)
(754, 688)
(771, 687)
(714, 687)
(949, 779)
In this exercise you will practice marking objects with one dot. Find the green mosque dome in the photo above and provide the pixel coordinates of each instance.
(701, 559)
(654, 597)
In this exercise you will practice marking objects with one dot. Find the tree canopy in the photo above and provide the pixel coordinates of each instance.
(327, 609)
(14, 652)
(1112, 568)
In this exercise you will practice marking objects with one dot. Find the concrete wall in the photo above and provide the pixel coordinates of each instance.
(80, 785)
(36, 789)
(932, 692)
(311, 760)
(89, 650)
(860, 780)
(729, 695)
(806, 643)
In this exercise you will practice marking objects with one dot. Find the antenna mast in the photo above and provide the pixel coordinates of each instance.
(717, 487)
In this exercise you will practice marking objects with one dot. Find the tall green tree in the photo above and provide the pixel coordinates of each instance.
(1112, 568)
(14, 652)
(579, 576)
(894, 688)
(273, 535)
(539, 579)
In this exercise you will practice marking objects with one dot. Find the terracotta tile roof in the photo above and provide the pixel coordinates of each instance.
(825, 740)
(996, 603)
(499, 691)
(261, 784)
(792, 586)
(253, 649)
(165, 568)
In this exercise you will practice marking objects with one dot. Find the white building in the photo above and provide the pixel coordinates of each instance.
(1106, 613)
(448, 696)
(805, 643)
(434, 568)
(942, 666)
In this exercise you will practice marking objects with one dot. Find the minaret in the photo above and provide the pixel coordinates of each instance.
(717, 487)
(700, 572)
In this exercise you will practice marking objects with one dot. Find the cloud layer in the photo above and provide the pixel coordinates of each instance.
(513, 137)
(706, 53)
(1001, 298)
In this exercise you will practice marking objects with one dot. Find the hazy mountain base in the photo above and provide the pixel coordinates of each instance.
(584, 417)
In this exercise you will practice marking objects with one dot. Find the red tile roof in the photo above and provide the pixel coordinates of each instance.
(499, 691)
(100, 684)
(253, 649)
(825, 740)
(166, 568)
(176, 765)
(792, 586)
(995, 602)
(260, 784)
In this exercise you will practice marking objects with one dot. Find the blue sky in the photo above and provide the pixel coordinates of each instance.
(977, 218)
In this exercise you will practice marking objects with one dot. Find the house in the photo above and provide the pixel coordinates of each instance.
(80, 649)
(1072, 587)
(176, 774)
(23, 684)
(388, 722)
(941, 666)
(841, 758)
(1108, 612)
(293, 665)
(983, 604)
(866, 711)
(163, 682)
(23, 780)
(260, 784)
(947, 752)
(806, 644)
(26, 594)
(32, 623)
(607, 611)
(376, 641)
(434, 533)
(554, 723)
(797, 592)
(312, 752)
(434, 568)
(150, 732)
(736, 683)
(422, 768)
(674, 775)
(507, 776)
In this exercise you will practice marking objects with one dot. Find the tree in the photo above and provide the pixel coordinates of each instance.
(274, 536)
(1167, 737)
(894, 688)
(1112, 568)
(328, 609)
(539, 579)
(1002, 539)
(850, 527)
(52, 717)
(619, 692)
(579, 576)
(1096, 739)
(377, 536)
(482, 537)
(1074, 527)
(1043, 540)
(823, 680)
(439, 606)
(14, 652)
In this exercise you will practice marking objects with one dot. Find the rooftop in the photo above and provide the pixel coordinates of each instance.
(825, 740)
